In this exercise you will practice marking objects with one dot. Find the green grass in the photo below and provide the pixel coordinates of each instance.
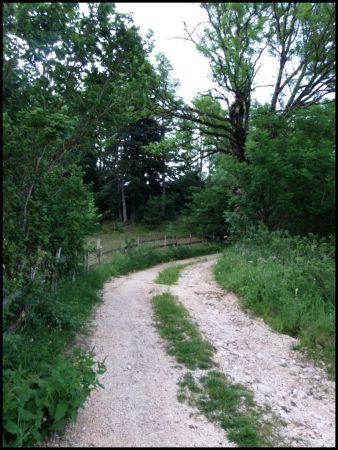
(184, 340)
(232, 406)
(45, 379)
(170, 275)
(290, 282)
(116, 235)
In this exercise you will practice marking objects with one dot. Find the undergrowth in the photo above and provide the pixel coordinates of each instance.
(290, 282)
(46, 378)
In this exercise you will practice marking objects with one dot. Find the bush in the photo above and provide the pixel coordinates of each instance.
(290, 181)
(35, 404)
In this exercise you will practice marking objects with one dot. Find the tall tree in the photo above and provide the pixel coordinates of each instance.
(300, 37)
(70, 80)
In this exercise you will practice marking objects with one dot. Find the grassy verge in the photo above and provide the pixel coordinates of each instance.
(170, 275)
(231, 405)
(290, 282)
(45, 379)
(184, 340)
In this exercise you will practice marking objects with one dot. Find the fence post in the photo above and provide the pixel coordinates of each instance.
(190, 239)
(100, 254)
(165, 240)
(175, 240)
(213, 236)
(138, 241)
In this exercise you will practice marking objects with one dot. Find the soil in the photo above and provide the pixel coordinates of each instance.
(138, 406)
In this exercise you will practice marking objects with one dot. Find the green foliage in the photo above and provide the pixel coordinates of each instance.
(183, 338)
(290, 183)
(170, 275)
(204, 214)
(59, 110)
(290, 282)
(151, 213)
(37, 403)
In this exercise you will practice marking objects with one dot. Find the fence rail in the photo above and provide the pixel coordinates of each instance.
(96, 257)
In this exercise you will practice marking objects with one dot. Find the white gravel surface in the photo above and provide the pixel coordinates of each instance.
(139, 406)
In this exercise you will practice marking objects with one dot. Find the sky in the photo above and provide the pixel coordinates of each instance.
(166, 20)
(190, 67)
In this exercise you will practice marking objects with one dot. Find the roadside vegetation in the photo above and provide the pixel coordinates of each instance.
(46, 376)
(231, 405)
(290, 282)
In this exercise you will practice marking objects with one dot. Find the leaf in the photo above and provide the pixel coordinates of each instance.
(60, 411)
(11, 427)
(58, 425)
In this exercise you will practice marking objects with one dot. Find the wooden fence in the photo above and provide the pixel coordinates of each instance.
(101, 254)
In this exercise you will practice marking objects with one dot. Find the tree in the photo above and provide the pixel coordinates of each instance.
(299, 37)
(290, 182)
(70, 81)
(134, 172)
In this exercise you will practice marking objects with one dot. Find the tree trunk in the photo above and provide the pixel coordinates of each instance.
(238, 120)
(201, 166)
(124, 205)
(163, 194)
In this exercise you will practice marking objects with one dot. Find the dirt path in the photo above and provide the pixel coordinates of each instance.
(139, 407)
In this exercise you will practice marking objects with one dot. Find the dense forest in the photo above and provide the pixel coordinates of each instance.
(93, 131)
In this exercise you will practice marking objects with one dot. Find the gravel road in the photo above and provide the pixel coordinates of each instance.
(139, 406)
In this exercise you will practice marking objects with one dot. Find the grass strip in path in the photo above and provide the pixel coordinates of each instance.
(183, 337)
(231, 405)
(170, 275)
